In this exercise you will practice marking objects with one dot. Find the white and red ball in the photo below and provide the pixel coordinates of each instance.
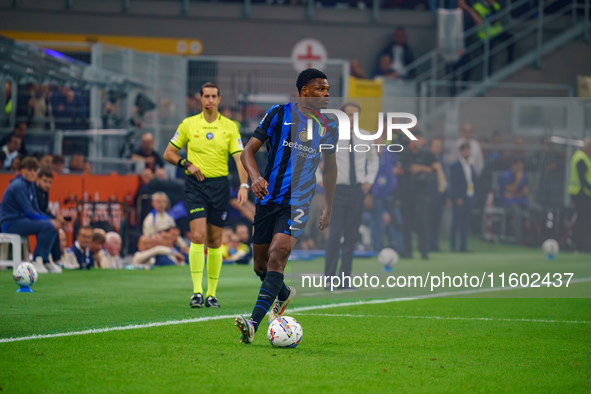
(25, 275)
(285, 331)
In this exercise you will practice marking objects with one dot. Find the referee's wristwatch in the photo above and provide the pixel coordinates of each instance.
(184, 163)
(245, 185)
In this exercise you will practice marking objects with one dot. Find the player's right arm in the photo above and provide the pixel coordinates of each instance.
(259, 184)
(178, 141)
(261, 135)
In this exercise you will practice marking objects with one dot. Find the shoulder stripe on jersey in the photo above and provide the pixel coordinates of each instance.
(261, 131)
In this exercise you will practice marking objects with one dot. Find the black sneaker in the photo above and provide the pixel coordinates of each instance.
(211, 302)
(197, 300)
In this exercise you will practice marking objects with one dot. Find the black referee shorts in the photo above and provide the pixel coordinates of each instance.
(208, 199)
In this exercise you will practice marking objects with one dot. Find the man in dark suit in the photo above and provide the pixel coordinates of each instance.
(82, 248)
(462, 196)
(415, 185)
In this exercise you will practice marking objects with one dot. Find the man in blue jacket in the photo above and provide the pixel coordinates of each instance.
(20, 214)
(462, 195)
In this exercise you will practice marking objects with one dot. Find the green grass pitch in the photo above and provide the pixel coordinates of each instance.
(464, 344)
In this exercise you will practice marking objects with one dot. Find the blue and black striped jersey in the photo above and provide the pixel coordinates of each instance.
(293, 156)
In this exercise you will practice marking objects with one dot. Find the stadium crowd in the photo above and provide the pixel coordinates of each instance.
(408, 194)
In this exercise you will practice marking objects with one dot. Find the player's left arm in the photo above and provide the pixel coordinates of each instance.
(329, 178)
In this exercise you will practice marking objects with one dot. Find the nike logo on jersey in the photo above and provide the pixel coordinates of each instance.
(287, 124)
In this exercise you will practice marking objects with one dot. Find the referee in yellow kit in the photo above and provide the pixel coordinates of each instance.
(209, 138)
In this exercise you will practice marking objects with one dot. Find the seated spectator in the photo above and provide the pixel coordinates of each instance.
(193, 105)
(226, 233)
(176, 234)
(147, 153)
(356, 70)
(16, 165)
(99, 231)
(20, 214)
(11, 150)
(236, 251)
(244, 233)
(87, 166)
(229, 113)
(97, 244)
(68, 259)
(495, 154)
(245, 210)
(42, 188)
(59, 164)
(69, 110)
(81, 248)
(38, 107)
(2, 160)
(169, 237)
(46, 161)
(76, 163)
(148, 252)
(20, 130)
(160, 174)
(109, 257)
(514, 195)
(399, 56)
(383, 68)
(513, 184)
(159, 220)
(145, 177)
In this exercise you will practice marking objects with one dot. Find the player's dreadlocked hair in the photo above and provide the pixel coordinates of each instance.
(307, 76)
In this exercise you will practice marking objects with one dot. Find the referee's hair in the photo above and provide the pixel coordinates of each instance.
(209, 85)
(307, 76)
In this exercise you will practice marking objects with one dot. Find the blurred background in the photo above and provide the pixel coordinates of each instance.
(95, 90)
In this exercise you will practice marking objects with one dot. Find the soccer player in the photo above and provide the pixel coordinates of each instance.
(209, 138)
(286, 190)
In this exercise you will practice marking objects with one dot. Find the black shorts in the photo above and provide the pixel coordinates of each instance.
(273, 218)
(208, 199)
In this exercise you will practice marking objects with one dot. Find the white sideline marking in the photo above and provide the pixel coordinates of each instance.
(451, 318)
(300, 309)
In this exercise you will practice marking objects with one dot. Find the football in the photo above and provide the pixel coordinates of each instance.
(285, 331)
(550, 248)
(25, 275)
(388, 257)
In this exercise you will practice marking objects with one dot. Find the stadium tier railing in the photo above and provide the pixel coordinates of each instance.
(538, 30)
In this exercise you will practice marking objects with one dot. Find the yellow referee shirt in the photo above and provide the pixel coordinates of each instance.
(208, 144)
